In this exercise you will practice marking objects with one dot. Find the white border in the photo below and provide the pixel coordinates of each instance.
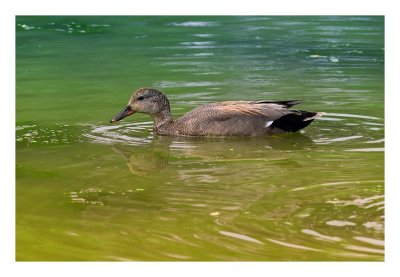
(204, 7)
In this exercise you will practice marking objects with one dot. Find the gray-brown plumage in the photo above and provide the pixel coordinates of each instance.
(230, 118)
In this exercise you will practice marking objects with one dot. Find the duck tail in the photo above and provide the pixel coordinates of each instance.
(295, 121)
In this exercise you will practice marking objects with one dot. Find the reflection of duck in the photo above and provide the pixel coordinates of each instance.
(143, 160)
(231, 118)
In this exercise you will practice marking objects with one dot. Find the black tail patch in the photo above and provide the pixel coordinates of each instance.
(294, 121)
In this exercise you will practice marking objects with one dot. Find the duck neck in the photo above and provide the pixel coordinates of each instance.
(161, 118)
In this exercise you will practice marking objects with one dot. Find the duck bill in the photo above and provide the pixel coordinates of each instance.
(126, 112)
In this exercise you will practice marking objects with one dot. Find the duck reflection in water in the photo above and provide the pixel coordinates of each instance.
(155, 156)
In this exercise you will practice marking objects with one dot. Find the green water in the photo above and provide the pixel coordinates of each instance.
(88, 190)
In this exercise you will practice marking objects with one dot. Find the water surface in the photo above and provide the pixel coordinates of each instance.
(88, 190)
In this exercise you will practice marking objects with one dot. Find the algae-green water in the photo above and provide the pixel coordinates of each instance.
(87, 190)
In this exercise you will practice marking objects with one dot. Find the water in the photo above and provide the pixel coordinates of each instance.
(88, 190)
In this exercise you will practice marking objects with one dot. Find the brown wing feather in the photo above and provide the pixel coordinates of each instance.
(240, 108)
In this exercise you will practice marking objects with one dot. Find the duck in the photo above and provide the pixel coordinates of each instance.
(228, 118)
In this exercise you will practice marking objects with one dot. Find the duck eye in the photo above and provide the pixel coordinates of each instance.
(140, 97)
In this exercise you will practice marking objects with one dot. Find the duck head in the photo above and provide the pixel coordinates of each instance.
(145, 100)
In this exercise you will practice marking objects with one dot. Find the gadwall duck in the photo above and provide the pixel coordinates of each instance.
(230, 118)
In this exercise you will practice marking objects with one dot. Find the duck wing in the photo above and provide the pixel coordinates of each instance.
(270, 109)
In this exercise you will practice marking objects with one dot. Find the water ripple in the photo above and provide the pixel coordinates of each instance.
(321, 236)
(292, 245)
(240, 236)
(171, 84)
(126, 133)
(194, 24)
